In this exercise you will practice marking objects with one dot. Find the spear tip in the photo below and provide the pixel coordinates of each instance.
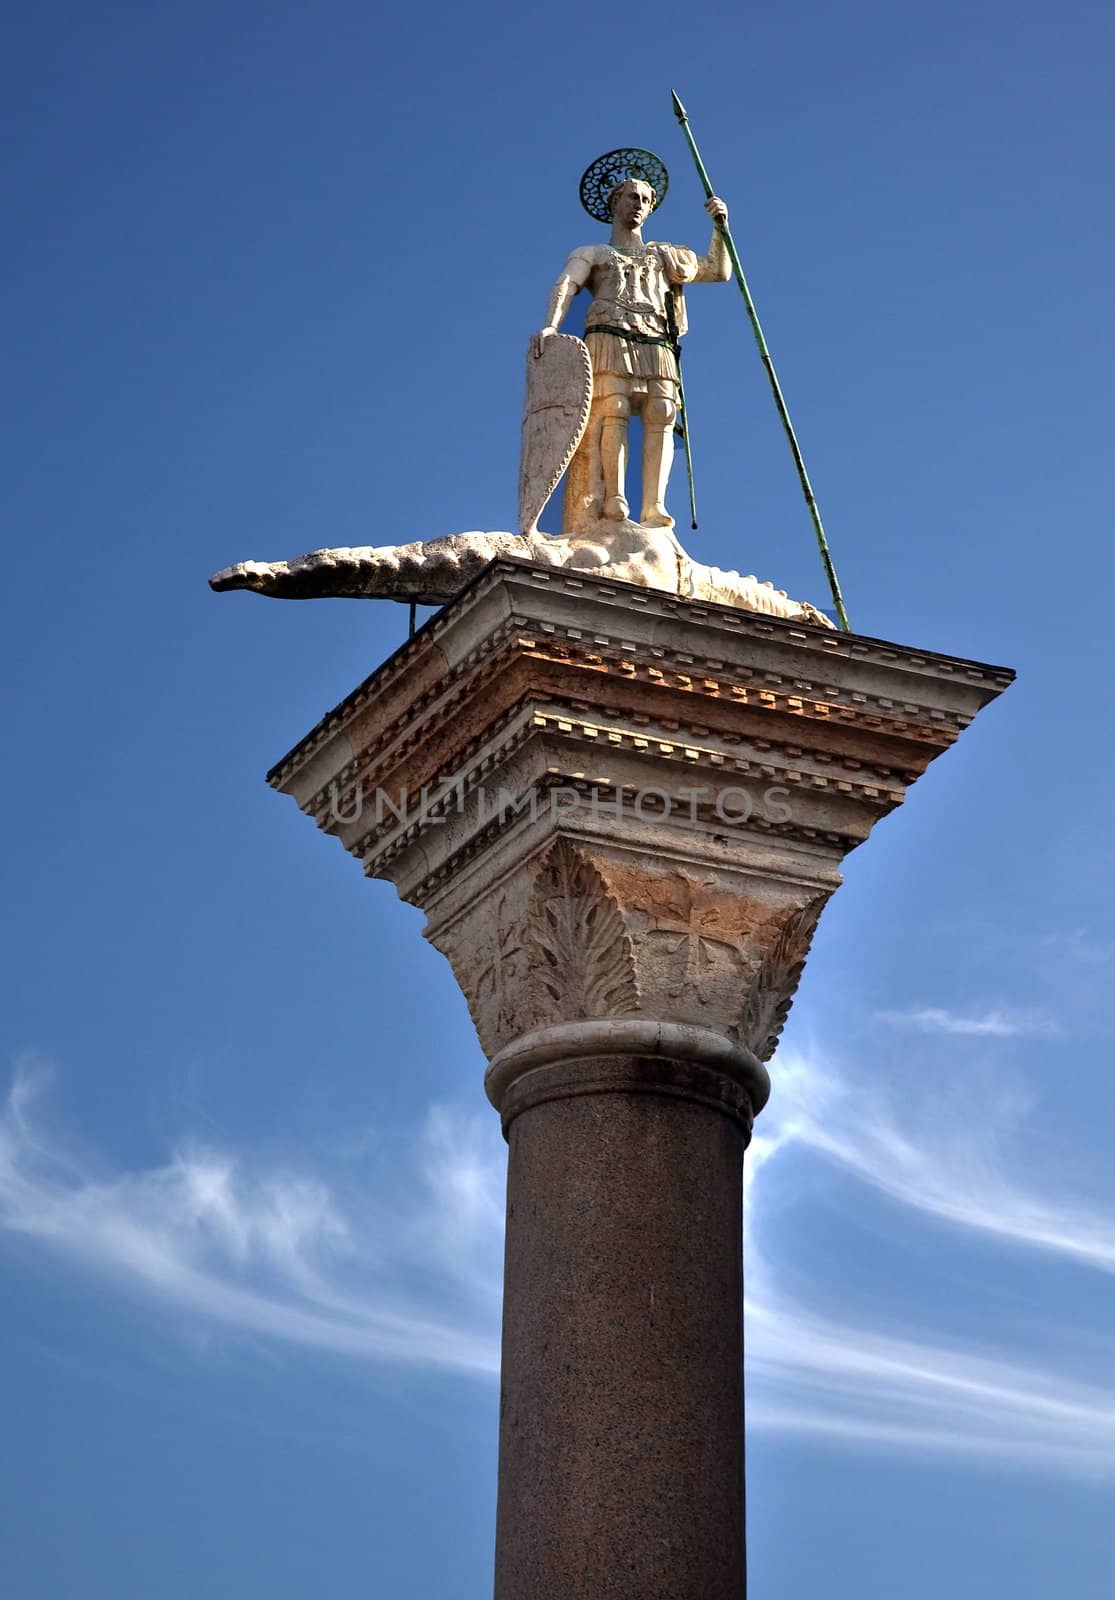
(679, 109)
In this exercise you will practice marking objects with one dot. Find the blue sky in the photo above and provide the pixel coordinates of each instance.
(271, 274)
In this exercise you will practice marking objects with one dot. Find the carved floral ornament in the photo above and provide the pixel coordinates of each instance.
(580, 948)
(769, 999)
(579, 940)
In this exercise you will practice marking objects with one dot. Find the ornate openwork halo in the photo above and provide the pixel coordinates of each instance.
(606, 171)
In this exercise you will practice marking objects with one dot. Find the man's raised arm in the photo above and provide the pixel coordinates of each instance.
(715, 267)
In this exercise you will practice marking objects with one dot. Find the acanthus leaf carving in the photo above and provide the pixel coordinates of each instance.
(578, 943)
(772, 990)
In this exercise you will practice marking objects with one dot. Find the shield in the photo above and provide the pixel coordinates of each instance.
(555, 416)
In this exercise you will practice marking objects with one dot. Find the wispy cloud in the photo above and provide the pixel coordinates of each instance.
(996, 1024)
(410, 1271)
(814, 1371)
(819, 1374)
(271, 1252)
(945, 1149)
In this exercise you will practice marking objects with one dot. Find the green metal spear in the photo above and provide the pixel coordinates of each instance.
(682, 424)
(683, 419)
(768, 364)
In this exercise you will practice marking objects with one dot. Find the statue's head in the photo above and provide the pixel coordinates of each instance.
(631, 202)
(615, 179)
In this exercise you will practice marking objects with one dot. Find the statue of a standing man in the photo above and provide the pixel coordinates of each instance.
(632, 330)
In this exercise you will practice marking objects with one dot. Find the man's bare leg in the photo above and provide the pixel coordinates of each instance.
(658, 458)
(615, 417)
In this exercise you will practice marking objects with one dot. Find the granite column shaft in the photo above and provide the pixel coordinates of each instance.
(621, 1415)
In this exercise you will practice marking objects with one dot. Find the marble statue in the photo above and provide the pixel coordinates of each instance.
(581, 396)
(632, 329)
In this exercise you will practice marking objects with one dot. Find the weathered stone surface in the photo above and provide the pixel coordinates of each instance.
(612, 803)
(435, 571)
(622, 813)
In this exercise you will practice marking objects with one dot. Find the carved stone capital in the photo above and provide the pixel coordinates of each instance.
(622, 811)
(584, 931)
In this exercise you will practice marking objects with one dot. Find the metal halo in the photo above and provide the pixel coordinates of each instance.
(606, 171)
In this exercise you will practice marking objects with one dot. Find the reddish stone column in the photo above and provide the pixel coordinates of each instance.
(621, 1412)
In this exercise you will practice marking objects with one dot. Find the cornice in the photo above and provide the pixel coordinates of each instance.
(615, 651)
